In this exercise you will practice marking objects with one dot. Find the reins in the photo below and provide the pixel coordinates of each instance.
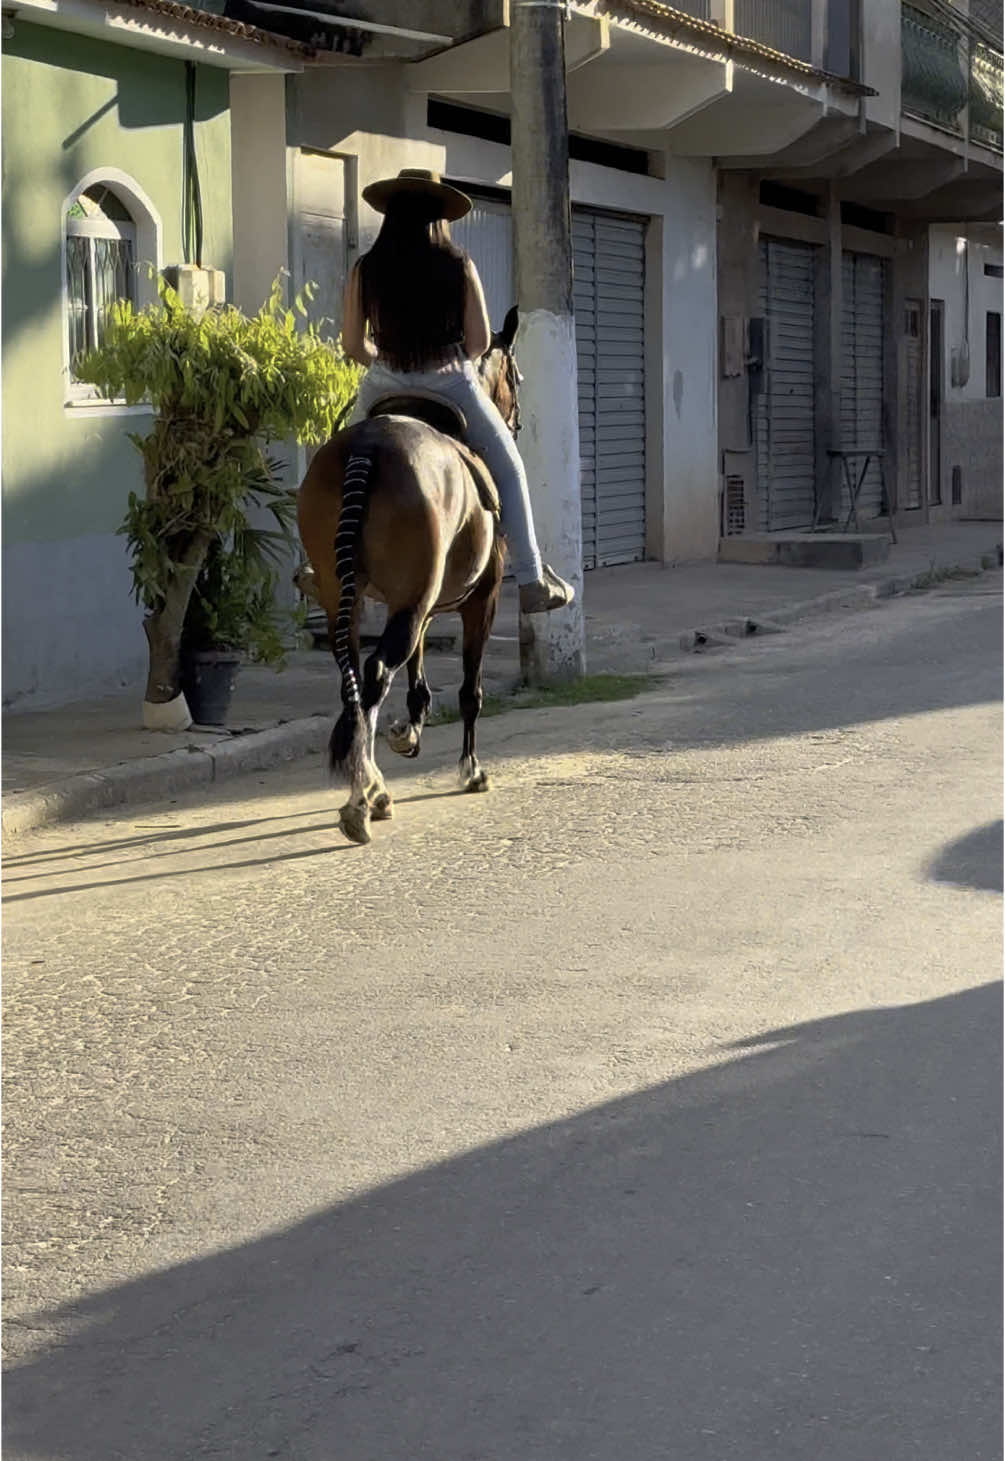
(513, 379)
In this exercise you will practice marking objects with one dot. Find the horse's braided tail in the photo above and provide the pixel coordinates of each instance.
(347, 747)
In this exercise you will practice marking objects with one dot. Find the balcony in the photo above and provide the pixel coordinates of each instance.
(821, 33)
(950, 82)
(784, 25)
(986, 97)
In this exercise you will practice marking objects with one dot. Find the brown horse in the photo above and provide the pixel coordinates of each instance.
(398, 509)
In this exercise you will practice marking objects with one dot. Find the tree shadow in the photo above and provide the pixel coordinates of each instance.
(773, 688)
(271, 859)
(148, 94)
(791, 1254)
(973, 861)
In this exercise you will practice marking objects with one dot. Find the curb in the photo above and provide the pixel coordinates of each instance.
(155, 777)
(854, 596)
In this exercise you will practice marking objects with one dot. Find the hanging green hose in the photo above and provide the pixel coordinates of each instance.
(192, 214)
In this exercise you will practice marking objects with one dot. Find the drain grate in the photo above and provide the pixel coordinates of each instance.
(736, 507)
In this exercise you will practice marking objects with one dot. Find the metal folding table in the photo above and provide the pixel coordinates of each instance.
(854, 479)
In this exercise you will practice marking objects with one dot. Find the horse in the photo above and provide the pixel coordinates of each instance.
(399, 509)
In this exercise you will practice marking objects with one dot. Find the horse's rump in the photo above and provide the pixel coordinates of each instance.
(428, 527)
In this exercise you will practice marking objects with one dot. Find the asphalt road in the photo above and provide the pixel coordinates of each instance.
(648, 1107)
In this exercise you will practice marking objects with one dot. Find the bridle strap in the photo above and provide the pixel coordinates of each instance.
(513, 379)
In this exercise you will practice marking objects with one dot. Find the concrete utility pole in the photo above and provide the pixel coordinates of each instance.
(552, 646)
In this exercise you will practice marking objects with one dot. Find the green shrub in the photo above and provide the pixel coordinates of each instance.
(222, 385)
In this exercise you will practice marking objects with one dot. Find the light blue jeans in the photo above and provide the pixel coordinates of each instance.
(487, 434)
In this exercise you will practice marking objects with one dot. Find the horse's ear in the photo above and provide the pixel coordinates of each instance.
(508, 332)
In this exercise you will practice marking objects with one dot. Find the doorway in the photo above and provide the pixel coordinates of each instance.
(912, 457)
(936, 396)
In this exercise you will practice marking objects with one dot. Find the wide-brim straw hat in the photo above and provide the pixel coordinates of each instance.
(452, 202)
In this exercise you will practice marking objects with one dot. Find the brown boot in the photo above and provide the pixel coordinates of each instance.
(547, 593)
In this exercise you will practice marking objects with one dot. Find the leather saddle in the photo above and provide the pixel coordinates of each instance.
(442, 415)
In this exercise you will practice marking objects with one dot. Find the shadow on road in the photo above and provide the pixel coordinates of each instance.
(974, 861)
(882, 667)
(792, 1254)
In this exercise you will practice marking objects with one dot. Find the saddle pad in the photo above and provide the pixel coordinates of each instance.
(443, 416)
(423, 406)
(488, 494)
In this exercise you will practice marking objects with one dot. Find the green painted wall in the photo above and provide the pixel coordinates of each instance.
(71, 105)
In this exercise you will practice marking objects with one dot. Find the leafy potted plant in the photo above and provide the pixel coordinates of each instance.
(222, 385)
(232, 613)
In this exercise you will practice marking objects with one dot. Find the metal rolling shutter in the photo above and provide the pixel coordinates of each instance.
(912, 454)
(584, 303)
(785, 424)
(609, 263)
(486, 233)
(863, 332)
(609, 302)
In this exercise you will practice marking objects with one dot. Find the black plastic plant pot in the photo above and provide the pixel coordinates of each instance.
(208, 677)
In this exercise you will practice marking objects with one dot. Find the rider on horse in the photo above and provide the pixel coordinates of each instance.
(398, 507)
(422, 299)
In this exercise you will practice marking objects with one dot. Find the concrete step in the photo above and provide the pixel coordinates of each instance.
(807, 550)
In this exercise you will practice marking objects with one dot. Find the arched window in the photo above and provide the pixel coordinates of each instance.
(110, 230)
(100, 265)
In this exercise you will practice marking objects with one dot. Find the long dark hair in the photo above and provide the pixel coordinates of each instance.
(412, 283)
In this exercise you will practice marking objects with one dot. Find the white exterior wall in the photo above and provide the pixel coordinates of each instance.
(948, 254)
(971, 434)
(369, 116)
(690, 352)
(258, 181)
(882, 62)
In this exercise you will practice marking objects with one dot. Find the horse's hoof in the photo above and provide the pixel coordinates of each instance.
(403, 737)
(478, 782)
(354, 822)
(306, 581)
(382, 809)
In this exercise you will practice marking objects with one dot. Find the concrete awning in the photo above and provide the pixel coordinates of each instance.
(926, 174)
(642, 73)
(169, 29)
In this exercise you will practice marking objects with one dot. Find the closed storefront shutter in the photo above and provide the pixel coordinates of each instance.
(863, 334)
(609, 301)
(486, 233)
(914, 384)
(609, 263)
(785, 410)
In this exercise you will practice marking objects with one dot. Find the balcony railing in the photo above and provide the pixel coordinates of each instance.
(784, 25)
(986, 96)
(791, 26)
(947, 81)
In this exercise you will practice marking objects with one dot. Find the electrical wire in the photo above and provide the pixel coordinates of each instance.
(965, 24)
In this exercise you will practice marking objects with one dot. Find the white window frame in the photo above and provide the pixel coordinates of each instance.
(146, 234)
(92, 228)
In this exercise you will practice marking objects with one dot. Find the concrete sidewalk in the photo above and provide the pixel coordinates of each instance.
(62, 764)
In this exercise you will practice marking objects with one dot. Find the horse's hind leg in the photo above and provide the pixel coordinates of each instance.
(477, 616)
(354, 816)
(369, 797)
(404, 736)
